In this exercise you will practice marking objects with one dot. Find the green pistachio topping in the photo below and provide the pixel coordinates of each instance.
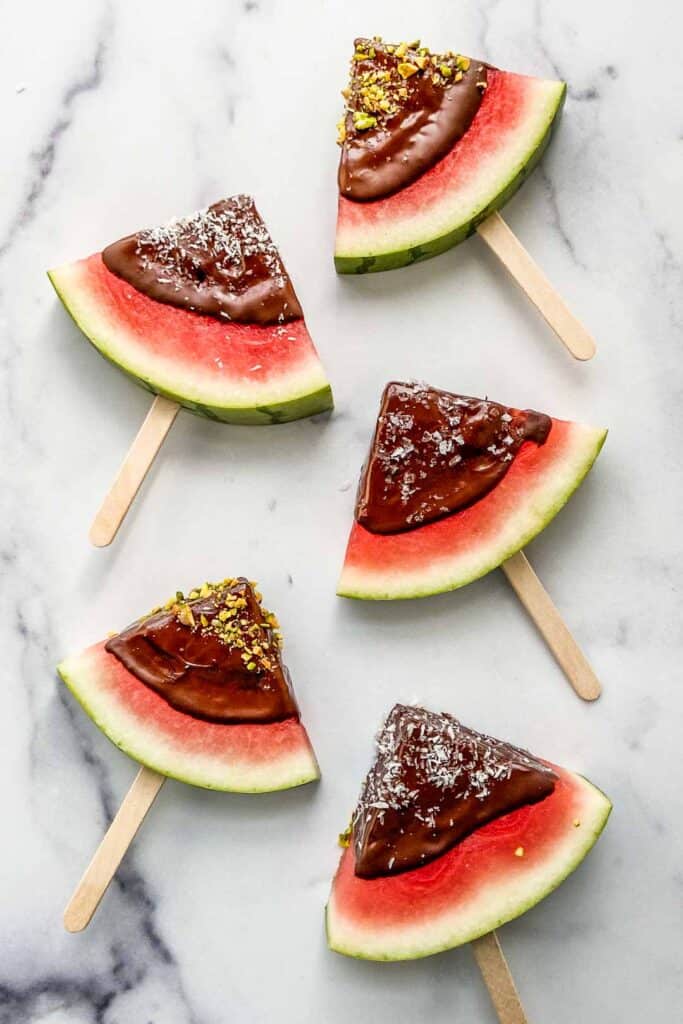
(383, 77)
(225, 615)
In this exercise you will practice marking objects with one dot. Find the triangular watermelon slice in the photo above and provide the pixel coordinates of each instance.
(214, 364)
(206, 726)
(497, 872)
(457, 189)
(465, 544)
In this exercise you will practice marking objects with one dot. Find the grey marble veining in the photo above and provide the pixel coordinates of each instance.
(117, 116)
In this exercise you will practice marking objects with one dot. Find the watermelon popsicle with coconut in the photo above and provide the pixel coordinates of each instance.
(432, 146)
(195, 691)
(455, 834)
(202, 313)
(454, 487)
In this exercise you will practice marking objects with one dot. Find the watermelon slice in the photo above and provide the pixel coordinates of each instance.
(483, 169)
(252, 373)
(455, 550)
(476, 887)
(495, 874)
(242, 757)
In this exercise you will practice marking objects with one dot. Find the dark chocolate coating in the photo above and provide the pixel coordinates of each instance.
(432, 118)
(434, 453)
(433, 783)
(198, 673)
(220, 262)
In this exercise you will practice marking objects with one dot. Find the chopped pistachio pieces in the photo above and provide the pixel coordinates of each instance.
(406, 69)
(257, 640)
(363, 121)
(384, 76)
(345, 836)
(185, 615)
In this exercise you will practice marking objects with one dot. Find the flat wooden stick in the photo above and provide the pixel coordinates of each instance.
(112, 849)
(540, 607)
(133, 471)
(533, 281)
(498, 979)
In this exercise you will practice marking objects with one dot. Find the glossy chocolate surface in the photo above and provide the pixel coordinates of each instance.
(215, 656)
(220, 262)
(434, 452)
(433, 783)
(405, 111)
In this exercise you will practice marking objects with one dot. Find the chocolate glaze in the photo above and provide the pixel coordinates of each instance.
(434, 452)
(198, 672)
(220, 262)
(420, 127)
(433, 783)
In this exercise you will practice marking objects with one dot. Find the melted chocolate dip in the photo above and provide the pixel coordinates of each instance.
(433, 783)
(434, 452)
(406, 109)
(220, 262)
(214, 657)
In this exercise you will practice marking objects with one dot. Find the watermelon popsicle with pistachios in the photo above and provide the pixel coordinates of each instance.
(455, 486)
(455, 833)
(203, 313)
(197, 691)
(432, 146)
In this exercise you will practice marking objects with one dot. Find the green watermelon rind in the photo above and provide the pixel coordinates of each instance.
(426, 246)
(227, 778)
(438, 581)
(601, 807)
(274, 409)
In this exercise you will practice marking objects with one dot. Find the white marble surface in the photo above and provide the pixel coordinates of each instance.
(120, 115)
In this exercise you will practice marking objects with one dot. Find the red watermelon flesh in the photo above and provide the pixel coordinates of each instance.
(481, 172)
(492, 876)
(239, 373)
(453, 551)
(246, 758)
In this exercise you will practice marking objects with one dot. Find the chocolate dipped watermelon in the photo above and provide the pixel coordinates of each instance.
(455, 833)
(197, 691)
(432, 144)
(454, 486)
(202, 311)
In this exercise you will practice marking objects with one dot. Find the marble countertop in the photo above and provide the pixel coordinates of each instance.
(118, 115)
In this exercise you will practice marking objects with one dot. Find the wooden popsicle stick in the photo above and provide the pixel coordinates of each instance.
(540, 607)
(112, 849)
(498, 979)
(533, 281)
(133, 471)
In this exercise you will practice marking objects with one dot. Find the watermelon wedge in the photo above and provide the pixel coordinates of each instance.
(483, 169)
(196, 690)
(251, 373)
(458, 549)
(454, 833)
(494, 875)
(239, 758)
